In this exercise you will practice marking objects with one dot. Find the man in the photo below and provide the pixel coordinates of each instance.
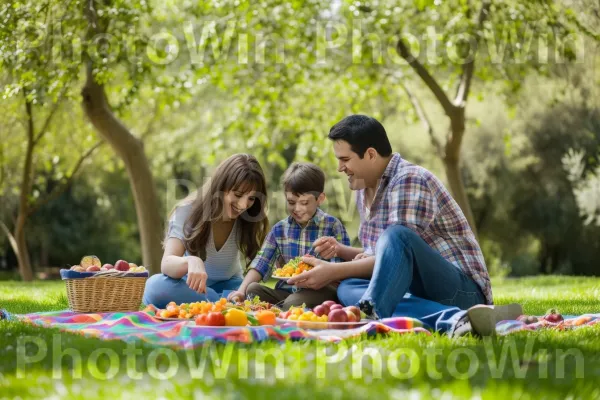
(416, 240)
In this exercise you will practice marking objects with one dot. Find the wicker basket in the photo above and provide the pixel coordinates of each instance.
(106, 292)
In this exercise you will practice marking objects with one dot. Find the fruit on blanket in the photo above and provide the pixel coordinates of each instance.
(108, 266)
(336, 307)
(329, 303)
(338, 315)
(284, 315)
(201, 320)
(122, 265)
(528, 319)
(93, 268)
(235, 317)
(355, 310)
(351, 316)
(265, 317)
(88, 261)
(215, 319)
(321, 310)
(553, 316)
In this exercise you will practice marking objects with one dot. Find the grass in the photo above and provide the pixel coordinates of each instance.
(544, 364)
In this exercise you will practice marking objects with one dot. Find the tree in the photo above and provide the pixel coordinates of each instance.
(41, 91)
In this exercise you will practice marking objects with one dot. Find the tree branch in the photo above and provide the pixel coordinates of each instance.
(55, 107)
(424, 74)
(424, 120)
(61, 188)
(468, 69)
(11, 238)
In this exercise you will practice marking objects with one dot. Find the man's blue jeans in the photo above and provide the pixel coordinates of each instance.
(405, 263)
(161, 289)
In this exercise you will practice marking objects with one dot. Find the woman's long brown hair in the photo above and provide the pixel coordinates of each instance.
(240, 172)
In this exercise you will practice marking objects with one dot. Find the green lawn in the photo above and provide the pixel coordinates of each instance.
(539, 365)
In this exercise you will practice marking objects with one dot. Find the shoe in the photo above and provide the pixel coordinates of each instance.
(481, 320)
(367, 310)
(484, 318)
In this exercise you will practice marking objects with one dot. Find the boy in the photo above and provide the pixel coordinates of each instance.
(304, 184)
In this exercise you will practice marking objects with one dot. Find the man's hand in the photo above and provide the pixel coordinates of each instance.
(318, 277)
(236, 296)
(196, 277)
(327, 247)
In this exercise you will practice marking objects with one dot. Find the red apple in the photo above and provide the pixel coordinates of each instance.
(355, 310)
(351, 316)
(122, 265)
(336, 307)
(108, 266)
(338, 315)
(553, 316)
(321, 310)
(329, 303)
(92, 268)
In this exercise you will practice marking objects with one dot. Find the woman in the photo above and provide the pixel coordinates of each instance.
(206, 235)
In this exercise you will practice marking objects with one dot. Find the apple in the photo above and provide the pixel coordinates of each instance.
(132, 266)
(338, 315)
(108, 266)
(329, 303)
(351, 316)
(321, 310)
(93, 268)
(78, 268)
(122, 265)
(336, 307)
(553, 316)
(355, 310)
(74, 267)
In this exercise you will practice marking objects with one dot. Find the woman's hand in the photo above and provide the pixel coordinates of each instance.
(326, 247)
(196, 276)
(236, 296)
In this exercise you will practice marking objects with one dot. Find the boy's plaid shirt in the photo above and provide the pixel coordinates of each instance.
(288, 240)
(412, 196)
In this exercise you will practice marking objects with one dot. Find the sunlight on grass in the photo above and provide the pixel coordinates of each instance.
(535, 365)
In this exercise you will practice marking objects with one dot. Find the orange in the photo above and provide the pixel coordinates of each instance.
(266, 317)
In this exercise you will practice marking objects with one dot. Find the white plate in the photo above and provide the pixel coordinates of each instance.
(322, 325)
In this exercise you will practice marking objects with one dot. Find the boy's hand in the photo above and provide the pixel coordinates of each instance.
(326, 247)
(236, 296)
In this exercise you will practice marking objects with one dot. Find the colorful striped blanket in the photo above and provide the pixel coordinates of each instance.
(144, 326)
(570, 322)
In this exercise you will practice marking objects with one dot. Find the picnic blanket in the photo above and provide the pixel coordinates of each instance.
(570, 322)
(142, 325)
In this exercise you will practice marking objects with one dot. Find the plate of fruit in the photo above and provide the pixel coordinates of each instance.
(217, 314)
(328, 315)
(293, 268)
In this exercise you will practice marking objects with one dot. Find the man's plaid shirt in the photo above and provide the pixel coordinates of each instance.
(288, 240)
(412, 196)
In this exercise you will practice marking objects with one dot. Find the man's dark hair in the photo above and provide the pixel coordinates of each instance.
(362, 132)
(303, 178)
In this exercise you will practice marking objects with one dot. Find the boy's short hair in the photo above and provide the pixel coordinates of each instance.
(304, 177)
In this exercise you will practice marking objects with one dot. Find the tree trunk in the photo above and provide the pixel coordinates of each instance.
(131, 151)
(22, 252)
(452, 166)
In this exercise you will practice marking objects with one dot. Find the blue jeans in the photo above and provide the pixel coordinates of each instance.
(161, 289)
(435, 316)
